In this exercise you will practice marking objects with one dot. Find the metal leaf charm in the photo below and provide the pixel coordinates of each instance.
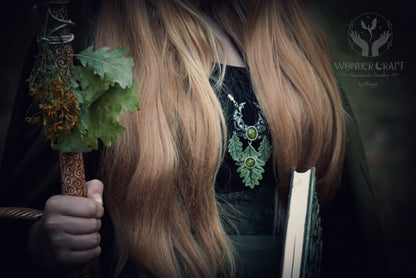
(251, 167)
(235, 147)
(250, 162)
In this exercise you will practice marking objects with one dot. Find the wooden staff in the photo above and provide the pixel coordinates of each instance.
(59, 39)
(71, 164)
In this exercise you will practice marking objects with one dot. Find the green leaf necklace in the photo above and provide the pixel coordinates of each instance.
(250, 162)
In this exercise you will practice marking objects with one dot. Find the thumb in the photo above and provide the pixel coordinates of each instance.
(95, 190)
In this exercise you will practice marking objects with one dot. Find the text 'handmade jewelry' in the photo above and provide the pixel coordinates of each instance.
(250, 162)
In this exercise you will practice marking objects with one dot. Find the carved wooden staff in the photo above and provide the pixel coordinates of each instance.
(59, 38)
(71, 164)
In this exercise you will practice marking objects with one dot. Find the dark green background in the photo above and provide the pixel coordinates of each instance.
(385, 113)
(387, 119)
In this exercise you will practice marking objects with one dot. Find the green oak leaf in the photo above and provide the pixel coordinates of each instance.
(250, 151)
(235, 147)
(99, 120)
(91, 85)
(76, 90)
(251, 176)
(113, 63)
(265, 149)
(117, 100)
(71, 143)
(105, 89)
(97, 125)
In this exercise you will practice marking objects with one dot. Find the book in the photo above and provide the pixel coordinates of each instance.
(302, 245)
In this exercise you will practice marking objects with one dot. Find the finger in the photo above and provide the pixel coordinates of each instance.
(79, 226)
(83, 242)
(95, 190)
(71, 225)
(68, 242)
(72, 206)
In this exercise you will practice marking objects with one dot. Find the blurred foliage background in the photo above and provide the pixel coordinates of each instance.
(385, 112)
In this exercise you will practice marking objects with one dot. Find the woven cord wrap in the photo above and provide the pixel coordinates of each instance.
(20, 213)
(71, 164)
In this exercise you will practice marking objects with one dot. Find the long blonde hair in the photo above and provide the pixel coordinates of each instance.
(159, 177)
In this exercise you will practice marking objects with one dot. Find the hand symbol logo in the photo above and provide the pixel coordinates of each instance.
(378, 43)
(364, 28)
(360, 42)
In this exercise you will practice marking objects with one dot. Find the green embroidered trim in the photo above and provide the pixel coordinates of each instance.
(250, 162)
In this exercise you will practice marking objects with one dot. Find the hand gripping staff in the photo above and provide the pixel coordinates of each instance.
(72, 110)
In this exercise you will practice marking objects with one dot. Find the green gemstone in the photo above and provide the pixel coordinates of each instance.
(251, 133)
(250, 162)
